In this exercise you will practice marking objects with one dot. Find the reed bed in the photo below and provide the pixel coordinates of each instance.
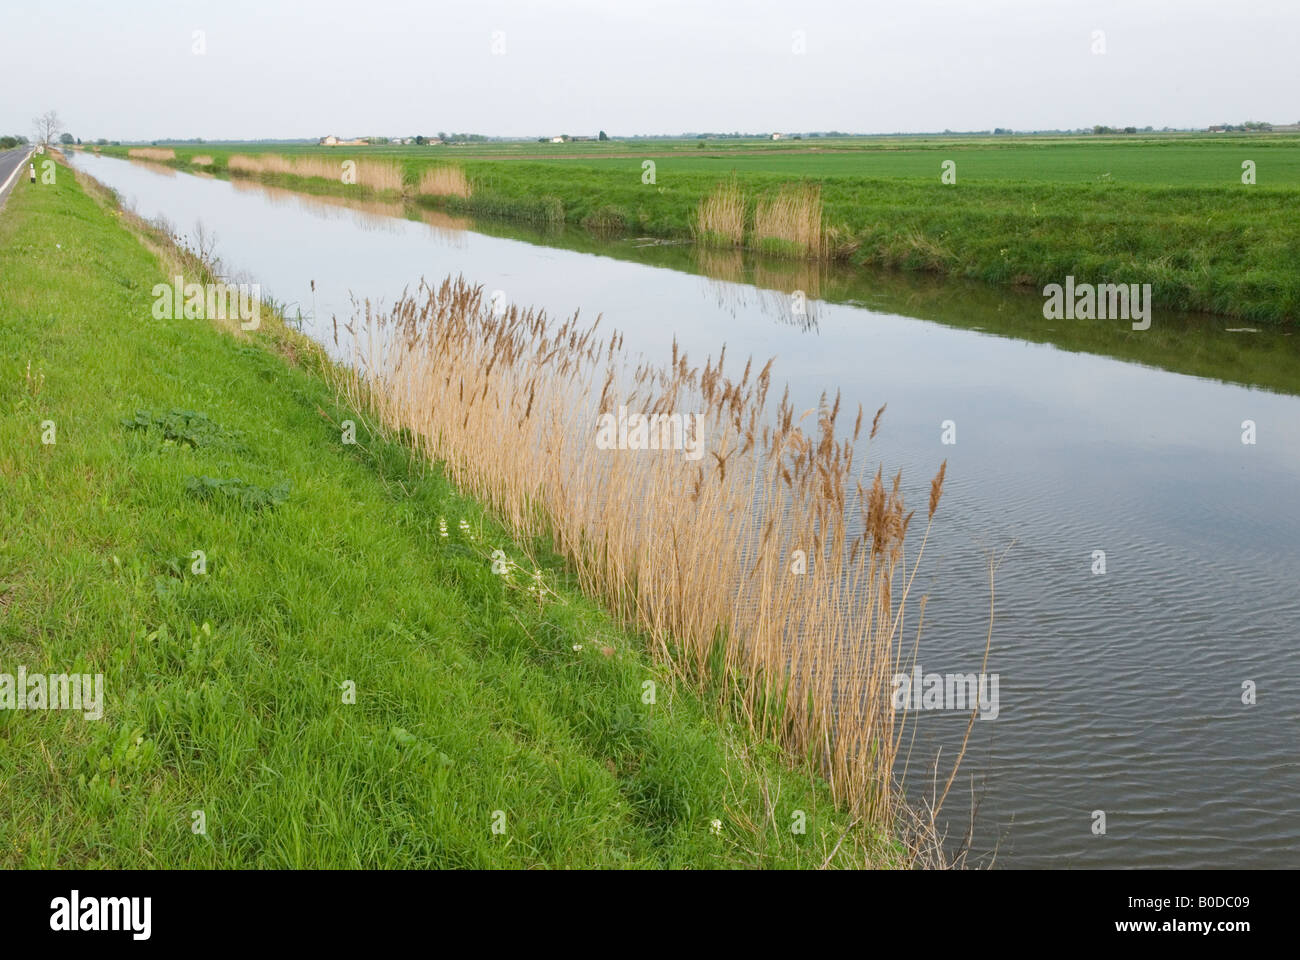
(152, 153)
(720, 218)
(201, 160)
(771, 571)
(444, 181)
(374, 174)
(790, 223)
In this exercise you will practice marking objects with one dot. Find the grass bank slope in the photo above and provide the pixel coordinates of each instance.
(325, 570)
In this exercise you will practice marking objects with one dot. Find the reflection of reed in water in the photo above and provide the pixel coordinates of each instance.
(725, 272)
(784, 289)
(720, 264)
(152, 167)
(371, 214)
(791, 290)
(448, 229)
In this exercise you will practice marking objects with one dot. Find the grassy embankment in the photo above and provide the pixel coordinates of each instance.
(1169, 211)
(225, 690)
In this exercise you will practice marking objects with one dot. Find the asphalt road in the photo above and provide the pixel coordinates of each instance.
(12, 161)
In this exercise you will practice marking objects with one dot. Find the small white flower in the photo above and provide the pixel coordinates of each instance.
(442, 526)
(715, 827)
(577, 646)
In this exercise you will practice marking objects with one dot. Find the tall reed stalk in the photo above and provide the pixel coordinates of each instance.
(374, 174)
(444, 181)
(770, 571)
(720, 218)
(152, 153)
(790, 223)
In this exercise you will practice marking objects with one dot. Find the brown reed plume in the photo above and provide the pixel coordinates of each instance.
(378, 175)
(720, 218)
(152, 153)
(444, 181)
(764, 572)
(790, 223)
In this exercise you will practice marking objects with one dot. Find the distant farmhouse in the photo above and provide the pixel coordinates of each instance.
(332, 141)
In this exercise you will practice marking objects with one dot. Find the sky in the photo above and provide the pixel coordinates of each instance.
(137, 69)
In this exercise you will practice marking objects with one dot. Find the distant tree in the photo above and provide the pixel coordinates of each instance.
(1130, 129)
(420, 141)
(102, 142)
(602, 136)
(65, 138)
(8, 143)
(47, 127)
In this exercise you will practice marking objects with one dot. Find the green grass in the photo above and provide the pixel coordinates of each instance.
(325, 566)
(1025, 211)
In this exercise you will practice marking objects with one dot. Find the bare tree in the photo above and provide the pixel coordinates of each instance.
(47, 127)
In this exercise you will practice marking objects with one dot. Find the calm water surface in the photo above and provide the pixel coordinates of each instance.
(1119, 692)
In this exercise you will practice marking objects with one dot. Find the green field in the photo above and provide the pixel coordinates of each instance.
(325, 565)
(1171, 211)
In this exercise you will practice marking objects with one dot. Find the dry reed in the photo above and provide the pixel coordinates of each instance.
(768, 572)
(720, 218)
(202, 160)
(152, 153)
(444, 181)
(373, 174)
(790, 223)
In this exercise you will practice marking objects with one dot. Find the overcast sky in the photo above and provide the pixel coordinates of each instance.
(126, 69)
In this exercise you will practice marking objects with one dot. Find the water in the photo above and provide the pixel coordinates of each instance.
(1119, 692)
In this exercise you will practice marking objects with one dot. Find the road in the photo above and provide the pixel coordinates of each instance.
(13, 167)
